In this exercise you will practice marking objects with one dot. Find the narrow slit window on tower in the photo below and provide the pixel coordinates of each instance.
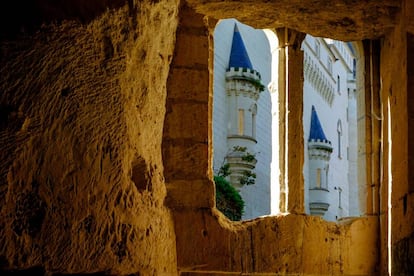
(318, 178)
(241, 121)
(253, 125)
(253, 110)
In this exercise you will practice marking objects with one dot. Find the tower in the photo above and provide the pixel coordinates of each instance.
(319, 149)
(243, 87)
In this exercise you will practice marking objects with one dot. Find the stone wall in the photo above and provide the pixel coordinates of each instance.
(397, 197)
(82, 111)
(292, 244)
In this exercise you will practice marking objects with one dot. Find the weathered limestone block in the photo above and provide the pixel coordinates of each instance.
(186, 148)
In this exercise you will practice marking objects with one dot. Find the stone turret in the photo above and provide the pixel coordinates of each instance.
(243, 87)
(319, 149)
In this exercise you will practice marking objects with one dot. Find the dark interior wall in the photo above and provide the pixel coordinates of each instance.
(403, 250)
(18, 17)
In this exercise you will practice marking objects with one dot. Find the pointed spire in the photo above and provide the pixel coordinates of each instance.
(316, 131)
(238, 55)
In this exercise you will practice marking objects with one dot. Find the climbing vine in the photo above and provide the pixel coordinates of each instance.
(248, 177)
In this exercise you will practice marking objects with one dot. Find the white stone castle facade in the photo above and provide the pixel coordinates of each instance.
(245, 116)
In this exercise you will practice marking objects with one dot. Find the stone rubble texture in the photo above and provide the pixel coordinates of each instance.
(105, 141)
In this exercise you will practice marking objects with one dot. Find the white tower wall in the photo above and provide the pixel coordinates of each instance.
(257, 197)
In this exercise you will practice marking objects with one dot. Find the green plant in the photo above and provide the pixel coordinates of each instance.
(257, 83)
(248, 178)
(248, 157)
(228, 199)
(224, 170)
(239, 148)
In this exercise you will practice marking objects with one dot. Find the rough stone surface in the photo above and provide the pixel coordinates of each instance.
(338, 19)
(81, 176)
(280, 244)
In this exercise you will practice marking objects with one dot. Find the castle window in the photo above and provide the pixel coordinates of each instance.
(241, 121)
(338, 85)
(339, 189)
(354, 68)
(253, 110)
(329, 64)
(347, 153)
(317, 48)
(318, 178)
(253, 125)
(339, 131)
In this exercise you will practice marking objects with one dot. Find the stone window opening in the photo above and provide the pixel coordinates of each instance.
(243, 73)
(247, 115)
(295, 200)
(284, 152)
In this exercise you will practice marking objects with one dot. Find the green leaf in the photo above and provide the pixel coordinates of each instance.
(228, 199)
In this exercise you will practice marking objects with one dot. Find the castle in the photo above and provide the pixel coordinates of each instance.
(246, 115)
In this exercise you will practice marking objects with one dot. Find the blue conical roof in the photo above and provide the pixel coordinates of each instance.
(238, 54)
(316, 131)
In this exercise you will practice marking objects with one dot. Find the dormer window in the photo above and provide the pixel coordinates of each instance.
(317, 49)
(329, 65)
(339, 131)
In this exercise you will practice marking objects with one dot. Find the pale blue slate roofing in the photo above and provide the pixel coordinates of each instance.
(238, 55)
(316, 131)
